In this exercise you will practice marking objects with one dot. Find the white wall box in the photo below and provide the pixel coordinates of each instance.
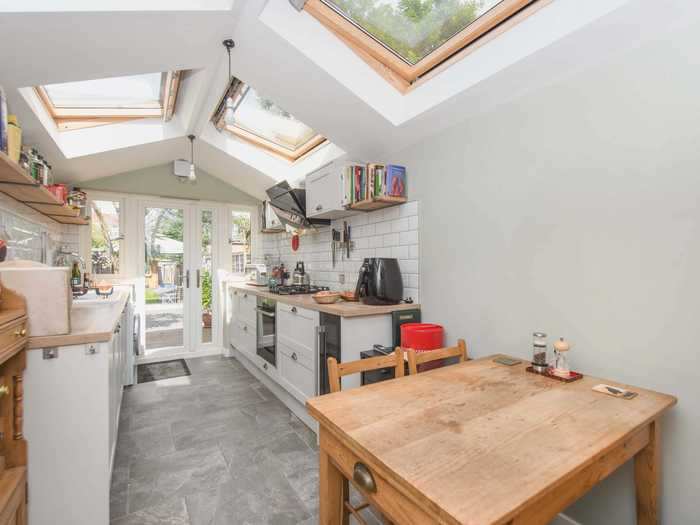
(324, 193)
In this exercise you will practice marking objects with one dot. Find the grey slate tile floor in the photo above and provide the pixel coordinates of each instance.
(213, 448)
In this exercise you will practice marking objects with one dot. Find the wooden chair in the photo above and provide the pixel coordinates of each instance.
(418, 358)
(335, 372)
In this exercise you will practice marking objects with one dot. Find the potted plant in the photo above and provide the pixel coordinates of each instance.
(206, 299)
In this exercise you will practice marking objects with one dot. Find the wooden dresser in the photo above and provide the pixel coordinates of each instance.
(13, 446)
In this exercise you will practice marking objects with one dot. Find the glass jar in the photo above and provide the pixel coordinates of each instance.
(539, 352)
(561, 358)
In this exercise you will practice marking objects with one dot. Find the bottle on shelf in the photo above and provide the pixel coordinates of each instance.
(75, 277)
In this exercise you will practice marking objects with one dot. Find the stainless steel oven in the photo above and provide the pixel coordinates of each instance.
(266, 344)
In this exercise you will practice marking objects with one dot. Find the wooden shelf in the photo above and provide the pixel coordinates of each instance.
(21, 187)
(377, 203)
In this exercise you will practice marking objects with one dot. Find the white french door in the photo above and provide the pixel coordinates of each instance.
(179, 256)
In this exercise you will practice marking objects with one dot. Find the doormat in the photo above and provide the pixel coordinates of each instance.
(162, 370)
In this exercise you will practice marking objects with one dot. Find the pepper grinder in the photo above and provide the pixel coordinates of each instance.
(561, 359)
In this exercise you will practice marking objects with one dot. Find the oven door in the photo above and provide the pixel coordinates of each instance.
(266, 344)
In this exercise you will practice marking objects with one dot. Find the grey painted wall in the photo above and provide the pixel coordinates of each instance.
(159, 181)
(576, 210)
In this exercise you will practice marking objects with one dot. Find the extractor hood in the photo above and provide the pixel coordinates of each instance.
(290, 206)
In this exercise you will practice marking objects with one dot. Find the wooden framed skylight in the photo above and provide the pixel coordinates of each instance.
(88, 103)
(262, 123)
(405, 40)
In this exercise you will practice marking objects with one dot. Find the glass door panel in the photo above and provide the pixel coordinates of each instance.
(205, 274)
(165, 277)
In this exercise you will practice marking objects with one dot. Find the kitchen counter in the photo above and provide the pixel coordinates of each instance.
(90, 323)
(341, 308)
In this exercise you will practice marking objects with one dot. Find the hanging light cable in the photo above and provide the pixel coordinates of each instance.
(193, 175)
(229, 118)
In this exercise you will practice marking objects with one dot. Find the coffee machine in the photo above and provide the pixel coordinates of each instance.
(380, 282)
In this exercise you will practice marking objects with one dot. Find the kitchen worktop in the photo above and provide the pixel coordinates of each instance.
(341, 308)
(91, 322)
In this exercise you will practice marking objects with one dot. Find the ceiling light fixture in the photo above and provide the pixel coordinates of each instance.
(192, 177)
(229, 117)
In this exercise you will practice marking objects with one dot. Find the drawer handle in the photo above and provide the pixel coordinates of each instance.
(294, 356)
(245, 328)
(245, 296)
(21, 333)
(294, 309)
(319, 207)
(4, 390)
(363, 477)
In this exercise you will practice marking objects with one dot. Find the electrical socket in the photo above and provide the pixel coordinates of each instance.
(341, 278)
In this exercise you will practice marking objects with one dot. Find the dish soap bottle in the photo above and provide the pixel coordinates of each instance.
(561, 359)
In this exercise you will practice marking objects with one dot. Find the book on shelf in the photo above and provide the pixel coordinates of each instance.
(371, 182)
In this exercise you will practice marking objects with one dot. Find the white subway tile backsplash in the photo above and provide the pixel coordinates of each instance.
(382, 227)
(399, 252)
(408, 265)
(408, 238)
(399, 225)
(376, 242)
(392, 213)
(408, 209)
(391, 240)
(392, 232)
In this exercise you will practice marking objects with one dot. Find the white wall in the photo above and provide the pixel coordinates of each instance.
(391, 232)
(576, 210)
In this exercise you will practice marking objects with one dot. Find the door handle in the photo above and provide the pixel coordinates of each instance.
(187, 278)
(197, 277)
(294, 356)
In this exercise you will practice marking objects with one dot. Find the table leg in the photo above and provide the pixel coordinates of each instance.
(333, 488)
(646, 478)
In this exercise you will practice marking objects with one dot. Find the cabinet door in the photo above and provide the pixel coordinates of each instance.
(294, 376)
(323, 192)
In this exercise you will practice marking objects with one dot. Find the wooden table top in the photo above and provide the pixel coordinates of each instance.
(478, 441)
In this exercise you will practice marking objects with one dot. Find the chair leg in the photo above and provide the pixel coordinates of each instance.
(346, 502)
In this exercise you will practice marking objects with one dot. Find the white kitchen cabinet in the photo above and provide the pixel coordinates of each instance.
(297, 350)
(295, 376)
(72, 405)
(271, 223)
(324, 193)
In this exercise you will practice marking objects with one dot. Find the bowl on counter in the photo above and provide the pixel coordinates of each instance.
(349, 296)
(326, 297)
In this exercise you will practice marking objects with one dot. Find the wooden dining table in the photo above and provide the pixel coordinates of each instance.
(484, 443)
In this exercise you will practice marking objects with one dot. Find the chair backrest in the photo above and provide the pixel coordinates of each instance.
(337, 370)
(418, 358)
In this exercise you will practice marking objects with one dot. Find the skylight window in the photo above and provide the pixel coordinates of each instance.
(261, 122)
(405, 39)
(87, 103)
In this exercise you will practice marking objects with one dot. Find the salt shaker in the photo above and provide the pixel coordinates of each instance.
(561, 359)
(539, 352)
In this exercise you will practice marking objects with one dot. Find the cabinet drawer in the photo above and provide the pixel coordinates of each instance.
(296, 332)
(296, 379)
(247, 304)
(297, 311)
(390, 500)
(13, 334)
(303, 356)
(245, 338)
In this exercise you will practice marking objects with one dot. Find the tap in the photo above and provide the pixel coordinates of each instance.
(66, 258)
